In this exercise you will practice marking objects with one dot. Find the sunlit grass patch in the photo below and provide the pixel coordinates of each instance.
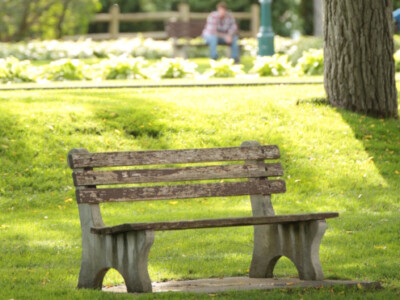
(333, 161)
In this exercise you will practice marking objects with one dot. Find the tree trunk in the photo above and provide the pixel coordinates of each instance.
(61, 18)
(318, 17)
(359, 64)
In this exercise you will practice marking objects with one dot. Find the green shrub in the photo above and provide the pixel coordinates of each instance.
(397, 60)
(174, 68)
(224, 68)
(123, 67)
(249, 46)
(66, 69)
(295, 48)
(311, 63)
(136, 47)
(396, 39)
(276, 65)
(14, 70)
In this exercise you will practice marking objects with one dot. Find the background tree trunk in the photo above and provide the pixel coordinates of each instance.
(359, 64)
(318, 17)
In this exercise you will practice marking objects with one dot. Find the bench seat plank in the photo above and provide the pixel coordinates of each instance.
(176, 174)
(210, 223)
(167, 192)
(139, 158)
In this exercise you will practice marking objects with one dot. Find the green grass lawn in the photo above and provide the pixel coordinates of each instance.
(165, 83)
(333, 161)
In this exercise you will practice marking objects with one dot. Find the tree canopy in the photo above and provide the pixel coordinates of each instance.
(48, 19)
(288, 15)
(44, 19)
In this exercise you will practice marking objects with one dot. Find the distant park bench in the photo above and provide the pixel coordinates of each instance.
(181, 32)
(114, 17)
(184, 30)
(125, 247)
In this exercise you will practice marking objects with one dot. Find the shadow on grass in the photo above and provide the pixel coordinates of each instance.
(136, 121)
(140, 120)
(313, 101)
(16, 154)
(381, 140)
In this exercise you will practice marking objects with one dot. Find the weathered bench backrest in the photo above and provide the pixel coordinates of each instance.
(86, 179)
(182, 29)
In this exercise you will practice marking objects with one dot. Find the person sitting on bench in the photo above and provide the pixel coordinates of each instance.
(221, 29)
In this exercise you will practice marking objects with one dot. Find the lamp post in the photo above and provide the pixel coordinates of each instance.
(266, 34)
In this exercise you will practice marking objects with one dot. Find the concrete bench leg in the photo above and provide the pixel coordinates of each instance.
(298, 241)
(125, 252)
(131, 262)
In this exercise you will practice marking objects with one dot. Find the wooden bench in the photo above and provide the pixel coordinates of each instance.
(125, 247)
(185, 30)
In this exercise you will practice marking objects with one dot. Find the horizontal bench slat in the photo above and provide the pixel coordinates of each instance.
(176, 174)
(210, 223)
(167, 192)
(138, 158)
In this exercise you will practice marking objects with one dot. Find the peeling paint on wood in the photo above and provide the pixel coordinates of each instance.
(183, 191)
(176, 174)
(139, 158)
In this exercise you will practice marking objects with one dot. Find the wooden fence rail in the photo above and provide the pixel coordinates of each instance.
(114, 17)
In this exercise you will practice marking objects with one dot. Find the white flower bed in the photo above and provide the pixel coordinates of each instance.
(54, 49)
(138, 68)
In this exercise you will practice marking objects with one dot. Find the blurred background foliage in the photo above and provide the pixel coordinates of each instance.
(45, 19)
(49, 19)
(288, 15)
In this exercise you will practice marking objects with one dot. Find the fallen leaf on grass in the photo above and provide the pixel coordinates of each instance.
(380, 247)
(45, 281)
(173, 202)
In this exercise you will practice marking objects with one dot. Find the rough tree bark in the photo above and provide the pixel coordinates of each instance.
(359, 64)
